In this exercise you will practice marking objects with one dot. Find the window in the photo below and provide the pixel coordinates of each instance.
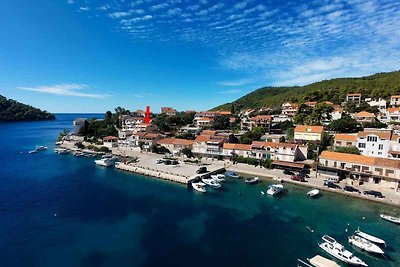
(361, 145)
(380, 147)
(372, 138)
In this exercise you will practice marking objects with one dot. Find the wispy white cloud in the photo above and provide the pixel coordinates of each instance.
(230, 92)
(64, 90)
(240, 82)
(84, 8)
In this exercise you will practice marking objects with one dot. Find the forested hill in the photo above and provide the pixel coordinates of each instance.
(11, 110)
(335, 90)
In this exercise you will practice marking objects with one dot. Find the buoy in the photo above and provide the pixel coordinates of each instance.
(345, 230)
(262, 193)
(55, 214)
(363, 218)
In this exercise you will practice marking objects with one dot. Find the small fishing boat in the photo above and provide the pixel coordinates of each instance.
(364, 244)
(211, 182)
(253, 180)
(274, 189)
(389, 218)
(371, 238)
(333, 248)
(232, 175)
(313, 193)
(61, 151)
(218, 177)
(33, 151)
(41, 148)
(199, 187)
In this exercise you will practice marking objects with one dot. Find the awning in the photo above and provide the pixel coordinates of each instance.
(287, 164)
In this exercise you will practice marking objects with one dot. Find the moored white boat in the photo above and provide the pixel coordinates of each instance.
(251, 180)
(232, 175)
(371, 238)
(106, 162)
(364, 244)
(211, 182)
(332, 247)
(61, 151)
(218, 177)
(199, 187)
(313, 193)
(274, 189)
(390, 218)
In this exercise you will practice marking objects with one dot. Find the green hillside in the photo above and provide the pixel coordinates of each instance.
(11, 110)
(334, 90)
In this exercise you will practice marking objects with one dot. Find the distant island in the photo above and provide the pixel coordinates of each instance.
(378, 85)
(11, 110)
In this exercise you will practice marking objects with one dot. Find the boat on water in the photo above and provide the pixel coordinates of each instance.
(211, 182)
(232, 175)
(218, 177)
(199, 187)
(79, 154)
(58, 143)
(41, 148)
(333, 248)
(317, 261)
(253, 180)
(61, 151)
(106, 162)
(33, 151)
(390, 218)
(364, 244)
(274, 189)
(371, 238)
(313, 192)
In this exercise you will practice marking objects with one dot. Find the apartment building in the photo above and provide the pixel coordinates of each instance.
(345, 140)
(175, 145)
(395, 100)
(364, 116)
(289, 109)
(354, 97)
(362, 169)
(308, 133)
(168, 111)
(393, 114)
(379, 103)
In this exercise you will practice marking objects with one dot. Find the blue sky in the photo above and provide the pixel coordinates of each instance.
(94, 55)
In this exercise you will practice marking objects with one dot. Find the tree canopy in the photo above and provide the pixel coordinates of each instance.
(11, 110)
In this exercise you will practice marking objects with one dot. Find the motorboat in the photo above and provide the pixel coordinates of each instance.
(107, 162)
(371, 238)
(364, 244)
(61, 151)
(59, 143)
(41, 148)
(313, 192)
(332, 247)
(232, 175)
(211, 182)
(33, 151)
(199, 187)
(274, 189)
(317, 261)
(390, 218)
(251, 180)
(218, 177)
(79, 154)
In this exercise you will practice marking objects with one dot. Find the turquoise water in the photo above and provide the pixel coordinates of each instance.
(59, 210)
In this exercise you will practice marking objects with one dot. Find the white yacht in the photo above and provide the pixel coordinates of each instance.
(313, 193)
(105, 162)
(371, 238)
(253, 180)
(332, 247)
(33, 151)
(390, 218)
(218, 177)
(41, 148)
(199, 187)
(211, 182)
(364, 244)
(274, 189)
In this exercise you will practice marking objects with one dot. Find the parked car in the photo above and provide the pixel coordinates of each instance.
(331, 185)
(167, 162)
(287, 172)
(174, 162)
(299, 178)
(349, 188)
(374, 193)
(159, 161)
(201, 170)
(332, 179)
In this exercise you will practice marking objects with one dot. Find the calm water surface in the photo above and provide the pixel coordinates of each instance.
(59, 210)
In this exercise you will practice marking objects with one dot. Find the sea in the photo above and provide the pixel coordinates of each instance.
(60, 210)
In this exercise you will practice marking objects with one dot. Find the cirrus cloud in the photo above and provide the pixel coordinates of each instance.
(72, 89)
